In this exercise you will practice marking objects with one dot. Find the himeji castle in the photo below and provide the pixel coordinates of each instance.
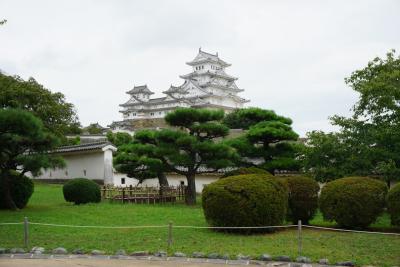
(207, 86)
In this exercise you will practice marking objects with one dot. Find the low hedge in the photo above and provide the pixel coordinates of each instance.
(303, 198)
(393, 203)
(353, 202)
(245, 200)
(81, 191)
(21, 190)
(249, 170)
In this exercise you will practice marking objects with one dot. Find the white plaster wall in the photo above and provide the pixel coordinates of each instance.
(173, 179)
(93, 163)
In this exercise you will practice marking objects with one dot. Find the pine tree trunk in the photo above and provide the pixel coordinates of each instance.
(191, 189)
(7, 198)
(162, 179)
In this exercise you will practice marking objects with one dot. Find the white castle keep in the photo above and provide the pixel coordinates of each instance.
(207, 86)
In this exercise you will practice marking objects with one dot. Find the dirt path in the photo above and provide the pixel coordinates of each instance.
(97, 263)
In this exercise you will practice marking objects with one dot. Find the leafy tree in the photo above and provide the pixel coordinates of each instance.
(119, 139)
(324, 154)
(4, 21)
(56, 114)
(94, 128)
(268, 141)
(24, 147)
(369, 141)
(194, 147)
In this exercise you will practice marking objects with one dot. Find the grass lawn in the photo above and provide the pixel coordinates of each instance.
(48, 206)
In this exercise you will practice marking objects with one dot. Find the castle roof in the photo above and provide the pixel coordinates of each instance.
(140, 89)
(175, 89)
(203, 57)
(220, 74)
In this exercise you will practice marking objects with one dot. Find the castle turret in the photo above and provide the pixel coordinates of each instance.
(141, 92)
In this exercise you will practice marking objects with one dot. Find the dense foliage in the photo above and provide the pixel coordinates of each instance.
(57, 115)
(93, 128)
(249, 170)
(393, 203)
(353, 202)
(369, 141)
(268, 142)
(303, 198)
(24, 147)
(140, 161)
(21, 188)
(119, 139)
(81, 191)
(245, 200)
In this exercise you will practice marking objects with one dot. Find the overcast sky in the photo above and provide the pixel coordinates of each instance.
(289, 56)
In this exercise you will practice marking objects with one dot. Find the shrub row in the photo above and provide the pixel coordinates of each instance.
(262, 199)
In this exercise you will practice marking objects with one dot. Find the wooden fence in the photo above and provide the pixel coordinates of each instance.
(144, 194)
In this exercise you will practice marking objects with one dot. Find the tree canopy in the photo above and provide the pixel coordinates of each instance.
(268, 141)
(24, 147)
(193, 147)
(58, 116)
(368, 142)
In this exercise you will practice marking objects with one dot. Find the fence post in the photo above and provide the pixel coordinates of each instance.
(26, 232)
(123, 195)
(299, 237)
(169, 235)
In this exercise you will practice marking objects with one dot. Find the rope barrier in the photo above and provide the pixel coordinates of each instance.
(346, 230)
(201, 227)
(230, 227)
(11, 223)
(100, 227)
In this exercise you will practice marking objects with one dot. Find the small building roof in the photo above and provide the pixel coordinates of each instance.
(103, 145)
(140, 89)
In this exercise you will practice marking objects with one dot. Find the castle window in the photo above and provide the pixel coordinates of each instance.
(152, 114)
(159, 112)
(84, 172)
(122, 180)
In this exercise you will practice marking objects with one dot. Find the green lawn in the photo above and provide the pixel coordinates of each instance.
(48, 206)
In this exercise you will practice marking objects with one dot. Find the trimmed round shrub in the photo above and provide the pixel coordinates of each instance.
(21, 190)
(353, 202)
(81, 191)
(249, 170)
(245, 200)
(393, 203)
(303, 198)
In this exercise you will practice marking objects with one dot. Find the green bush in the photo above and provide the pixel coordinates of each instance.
(81, 191)
(394, 204)
(245, 200)
(21, 190)
(303, 198)
(249, 170)
(353, 202)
